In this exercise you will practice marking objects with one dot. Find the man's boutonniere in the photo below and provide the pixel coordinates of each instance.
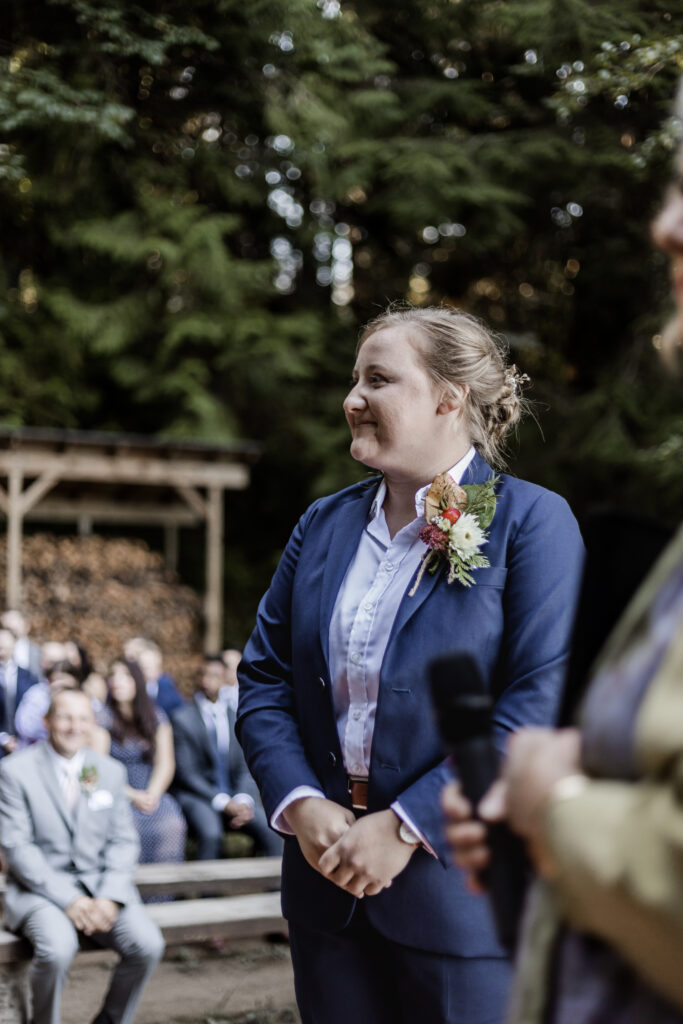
(457, 519)
(88, 779)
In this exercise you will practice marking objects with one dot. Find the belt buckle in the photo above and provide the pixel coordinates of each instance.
(357, 786)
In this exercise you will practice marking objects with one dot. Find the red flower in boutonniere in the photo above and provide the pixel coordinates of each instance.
(457, 519)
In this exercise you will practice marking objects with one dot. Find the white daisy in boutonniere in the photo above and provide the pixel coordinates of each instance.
(457, 520)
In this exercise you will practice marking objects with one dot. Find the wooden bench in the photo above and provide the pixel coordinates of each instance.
(249, 907)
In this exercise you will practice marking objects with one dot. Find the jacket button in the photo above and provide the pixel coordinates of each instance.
(322, 682)
(332, 759)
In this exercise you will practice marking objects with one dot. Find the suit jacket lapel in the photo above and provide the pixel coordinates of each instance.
(202, 731)
(51, 783)
(478, 472)
(343, 542)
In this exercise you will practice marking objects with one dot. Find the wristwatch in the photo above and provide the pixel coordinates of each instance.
(406, 834)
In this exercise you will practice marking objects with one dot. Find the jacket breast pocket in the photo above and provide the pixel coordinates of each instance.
(493, 576)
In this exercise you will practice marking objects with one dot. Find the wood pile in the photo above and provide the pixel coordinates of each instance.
(100, 592)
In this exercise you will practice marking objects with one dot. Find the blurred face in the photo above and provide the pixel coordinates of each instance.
(70, 721)
(212, 679)
(6, 644)
(132, 647)
(150, 663)
(62, 681)
(667, 232)
(231, 660)
(15, 622)
(121, 684)
(393, 408)
(51, 652)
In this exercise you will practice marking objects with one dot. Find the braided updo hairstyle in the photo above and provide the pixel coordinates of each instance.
(458, 349)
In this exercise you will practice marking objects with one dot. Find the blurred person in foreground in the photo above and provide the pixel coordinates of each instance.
(71, 848)
(14, 683)
(212, 783)
(138, 734)
(601, 806)
(334, 709)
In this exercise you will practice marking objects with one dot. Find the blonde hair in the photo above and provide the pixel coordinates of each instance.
(458, 349)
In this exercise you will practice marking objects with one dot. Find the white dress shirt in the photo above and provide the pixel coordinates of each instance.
(68, 770)
(379, 575)
(215, 715)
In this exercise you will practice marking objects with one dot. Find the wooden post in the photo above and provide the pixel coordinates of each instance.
(171, 546)
(14, 529)
(214, 569)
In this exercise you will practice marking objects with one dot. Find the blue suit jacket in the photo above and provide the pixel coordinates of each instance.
(168, 698)
(25, 679)
(515, 622)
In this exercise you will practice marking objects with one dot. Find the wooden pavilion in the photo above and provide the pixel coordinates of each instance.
(86, 478)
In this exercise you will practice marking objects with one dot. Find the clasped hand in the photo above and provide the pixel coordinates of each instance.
(360, 856)
(90, 915)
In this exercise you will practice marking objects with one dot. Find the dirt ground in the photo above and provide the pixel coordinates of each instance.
(249, 983)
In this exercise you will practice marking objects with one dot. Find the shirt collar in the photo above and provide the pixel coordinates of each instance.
(67, 765)
(457, 472)
(206, 706)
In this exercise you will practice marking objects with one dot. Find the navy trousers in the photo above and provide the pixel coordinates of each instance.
(358, 976)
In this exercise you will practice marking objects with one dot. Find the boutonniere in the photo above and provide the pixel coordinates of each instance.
(88, 779)
(457, 520)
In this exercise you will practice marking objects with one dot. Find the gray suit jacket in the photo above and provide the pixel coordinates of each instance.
(52, 855)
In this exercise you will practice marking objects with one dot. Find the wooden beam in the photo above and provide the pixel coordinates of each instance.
(14, 529)
(194, 499)
(32, 495)
(130, 469)
(64, 510)
(214, 570)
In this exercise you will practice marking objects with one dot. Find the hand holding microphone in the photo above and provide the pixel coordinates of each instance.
(463, 709)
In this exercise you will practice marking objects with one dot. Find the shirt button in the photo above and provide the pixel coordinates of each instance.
(356, 657)
(368, 606)
(388, 566)
(356, 715)
(357, 769)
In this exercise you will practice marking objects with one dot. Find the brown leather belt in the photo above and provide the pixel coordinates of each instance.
(358, 791)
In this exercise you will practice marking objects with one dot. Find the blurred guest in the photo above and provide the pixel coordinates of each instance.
(14, 683)
(212, 783)
(68, 838)
(30, 722)
(231, 659)
(26, 652)
(91, 682)
(161, 687)
(141, 738)
(51, 652)
(600, 807)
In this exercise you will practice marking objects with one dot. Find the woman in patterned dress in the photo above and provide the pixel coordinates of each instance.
(141, 738)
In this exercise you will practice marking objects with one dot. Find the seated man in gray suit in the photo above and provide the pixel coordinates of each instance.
(212, 782)
(67, 833)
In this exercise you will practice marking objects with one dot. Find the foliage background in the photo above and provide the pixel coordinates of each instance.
(201, 202)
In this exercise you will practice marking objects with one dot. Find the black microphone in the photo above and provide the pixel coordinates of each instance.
(463, 710)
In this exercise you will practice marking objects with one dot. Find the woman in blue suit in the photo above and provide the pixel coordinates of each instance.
(334, 713)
